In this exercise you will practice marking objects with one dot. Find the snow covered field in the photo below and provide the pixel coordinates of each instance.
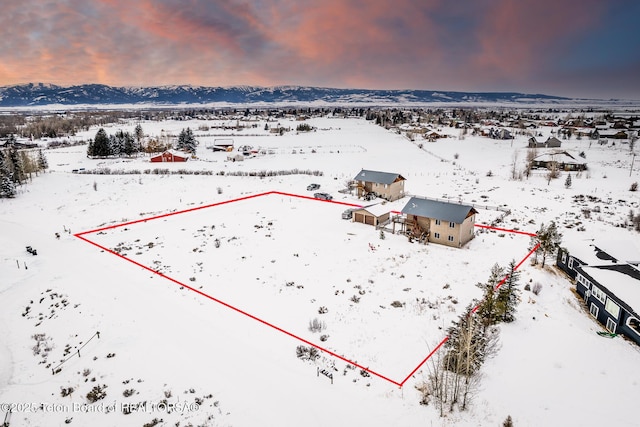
(281, 259)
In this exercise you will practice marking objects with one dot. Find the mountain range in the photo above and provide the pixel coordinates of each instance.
(42, 94)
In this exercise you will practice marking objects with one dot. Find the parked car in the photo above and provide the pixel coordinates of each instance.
(312, 187)
(323, 196)
(348, 214)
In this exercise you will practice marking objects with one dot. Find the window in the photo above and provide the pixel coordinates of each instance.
(436, 235)
(611, 325)
(437, 222)
(634, 324)
(452, 225)
(600, 296)
(564, 257)
(450, 238)
(593, 310)
(570, 263)
(612, 308)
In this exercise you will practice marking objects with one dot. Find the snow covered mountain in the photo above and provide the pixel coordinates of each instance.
(39, 94)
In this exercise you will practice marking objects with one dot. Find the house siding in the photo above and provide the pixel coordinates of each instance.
(603, 315)
(391, 192)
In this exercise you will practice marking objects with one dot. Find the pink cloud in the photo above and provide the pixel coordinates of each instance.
(516, 37)
(429, 44)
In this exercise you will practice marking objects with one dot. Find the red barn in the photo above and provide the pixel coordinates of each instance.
(170, 156)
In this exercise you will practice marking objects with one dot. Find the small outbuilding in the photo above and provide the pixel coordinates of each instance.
(170, 156)
(374, 215)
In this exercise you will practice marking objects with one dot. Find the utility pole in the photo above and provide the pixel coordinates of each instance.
(632, 160)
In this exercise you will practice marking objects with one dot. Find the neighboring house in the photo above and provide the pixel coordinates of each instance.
(551, 142)
(440, 222)
(608, 281)
(222, 144)
(611, 134)
(500, 133)
(560, 159)
(389, 186)
(170, 156)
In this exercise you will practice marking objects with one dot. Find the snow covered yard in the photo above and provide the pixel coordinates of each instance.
(283, 258)
(263, 254)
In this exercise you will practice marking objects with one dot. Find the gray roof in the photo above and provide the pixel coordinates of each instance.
(443, 211)
(379, 177)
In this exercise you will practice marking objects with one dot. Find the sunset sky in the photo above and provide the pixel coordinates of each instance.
(577, 48)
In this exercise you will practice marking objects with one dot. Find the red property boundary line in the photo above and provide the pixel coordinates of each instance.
(82, 237)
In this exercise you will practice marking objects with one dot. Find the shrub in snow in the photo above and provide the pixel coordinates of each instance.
(316, 325)
(634, 187)
(527, 287)
(323, 310)
(355, 299)
(508, 422)
(66, 391)
(537, 288)
(307, 353)
(97, 393)
(396, 304)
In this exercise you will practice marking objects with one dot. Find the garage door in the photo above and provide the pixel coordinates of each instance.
(359, 218)
(369, 220)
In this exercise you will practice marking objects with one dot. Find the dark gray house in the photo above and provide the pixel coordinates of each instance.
(608, 281)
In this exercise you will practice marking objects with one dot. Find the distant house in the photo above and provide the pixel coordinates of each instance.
(440, 222)
(562, 160)
(222, 144)
(607, 279)
(551, 142)
(235, 157)
(170, 156)
(500, 133)
(389, 186)
(611, 134)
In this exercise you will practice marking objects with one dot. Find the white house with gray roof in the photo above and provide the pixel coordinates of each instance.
(446, 223)
(389, 186)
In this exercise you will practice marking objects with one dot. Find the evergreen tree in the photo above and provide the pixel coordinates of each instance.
(42, 161)
(129, 144)
(116, 144)
(7, 186)
(550, 239)
(99, 147)
(16, 166)
(508, 294)
(488, 307)
(139, 134)
(465, 344)
(186, 141)
(567, 182)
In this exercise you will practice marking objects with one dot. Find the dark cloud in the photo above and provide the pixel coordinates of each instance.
(526, 45)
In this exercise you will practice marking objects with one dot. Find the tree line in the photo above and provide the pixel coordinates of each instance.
(126, 144)
(453, 375)
(17, 166)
